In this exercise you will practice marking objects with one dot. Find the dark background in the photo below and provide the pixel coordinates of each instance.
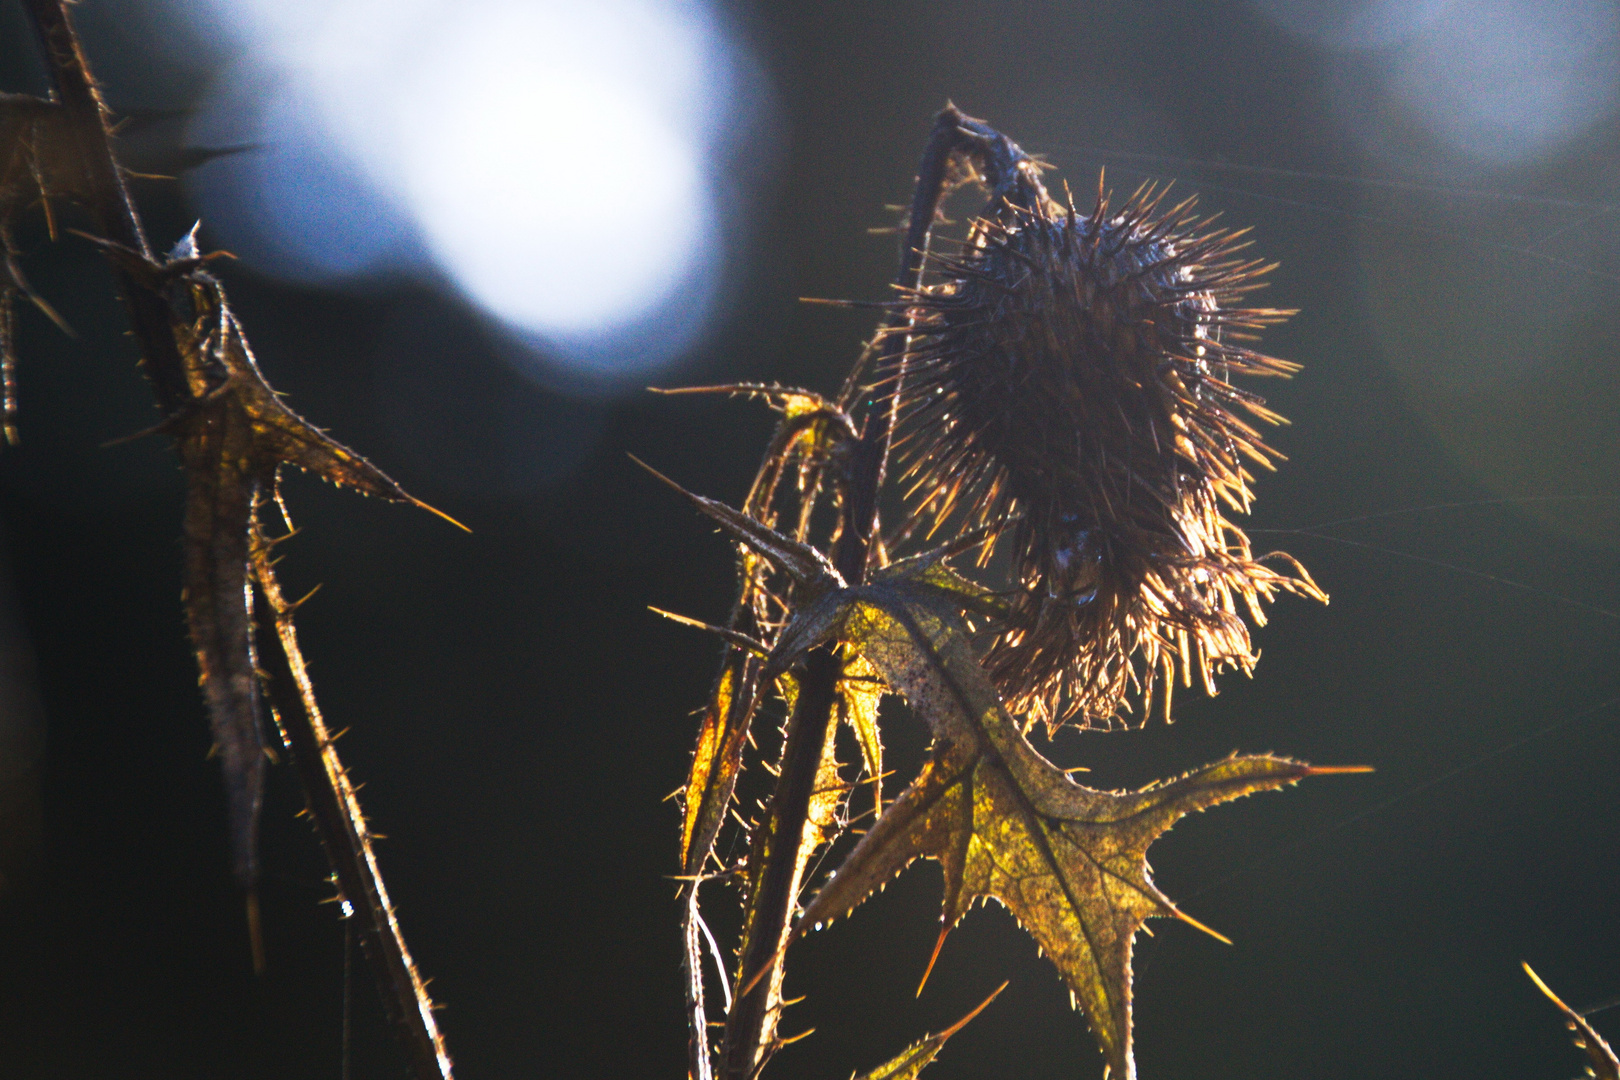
(518, 717)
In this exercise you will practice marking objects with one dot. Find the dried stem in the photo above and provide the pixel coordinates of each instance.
(107, 196)
(783, 845)
(342, 827)
(331, 798)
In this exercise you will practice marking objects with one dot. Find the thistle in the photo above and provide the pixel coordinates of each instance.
(1067, 384)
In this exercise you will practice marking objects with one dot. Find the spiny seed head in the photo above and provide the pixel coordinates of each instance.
(1068, 375)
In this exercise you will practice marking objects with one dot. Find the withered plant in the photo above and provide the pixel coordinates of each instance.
(1049, 404)
(1054, 386)
(233, 437)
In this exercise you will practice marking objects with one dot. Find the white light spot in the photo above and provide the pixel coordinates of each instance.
(555, 186)
(554, 161)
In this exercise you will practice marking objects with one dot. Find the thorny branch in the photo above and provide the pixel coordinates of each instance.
(340, 823)
(783, 844)
(233, 435)
(1005, 822)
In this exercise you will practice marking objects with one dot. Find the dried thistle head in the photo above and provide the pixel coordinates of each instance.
(1069, 375)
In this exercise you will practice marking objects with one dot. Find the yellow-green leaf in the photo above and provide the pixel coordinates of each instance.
(707, 761)
(1068, 861)
(860, 691)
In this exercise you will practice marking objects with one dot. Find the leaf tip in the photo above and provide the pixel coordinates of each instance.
(1190, 921)
(660, 476)
(985, 1004)
(436, 512)
(1543, 987)
(255, 931)
(944, 931)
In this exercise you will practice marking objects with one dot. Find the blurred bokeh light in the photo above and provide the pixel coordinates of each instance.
(1350, 25)
(1492, 82)
(556, 164)
(1509, 80)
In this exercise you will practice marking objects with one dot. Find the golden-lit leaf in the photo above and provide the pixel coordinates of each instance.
(919, 1055)
(1068, 861)
(859, 693)
(708, 764)
(724, 729)
(824, 817)
(1600, 1060)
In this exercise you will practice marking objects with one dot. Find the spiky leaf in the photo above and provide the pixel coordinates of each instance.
(233, 435)
(1069, 862)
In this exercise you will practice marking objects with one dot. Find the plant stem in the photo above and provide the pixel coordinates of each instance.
(107, 196)
(342, 828)
(331, 798)
(783, 847)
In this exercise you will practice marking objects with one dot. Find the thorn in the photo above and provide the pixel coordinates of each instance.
(51, 313)
(1543, 987)
(723, 388)
(161, 428)
(1335, 770)
(878, 305)
(962, 1023)
(739, 639)
(944, 930)
(768, 966)
(1190, 921)
(438, 513)
(296, 604)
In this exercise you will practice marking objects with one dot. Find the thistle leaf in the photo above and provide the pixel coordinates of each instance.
(715, 765)
(1068, 861)
(221, 491)
(233, 436)
(920, 1054)
(1601, 1062)
(859, 693)
(803, 563)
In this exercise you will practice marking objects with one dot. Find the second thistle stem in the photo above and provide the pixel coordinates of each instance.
(783, 847)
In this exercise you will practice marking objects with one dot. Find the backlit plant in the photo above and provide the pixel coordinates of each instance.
(1057, 387)
(1050, 405)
